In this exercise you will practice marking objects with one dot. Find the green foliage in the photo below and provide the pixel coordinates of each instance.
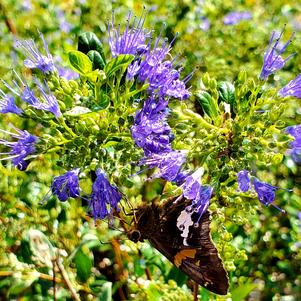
(260, 248)
(80, 62)
(120, 62)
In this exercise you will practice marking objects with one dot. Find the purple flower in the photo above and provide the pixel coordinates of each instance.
(293, 88)
(181, 177)
(294, 130)
(201, 202)
(66, 186)
(192, 184)
(169, 164)
(198, 193)
(22, 90)
(177, 89)
(65, 26)
(7, 104)
(243, 180)
(151, 131)
(132, 70)
(272, 60)
(20, 149)
(26, 5)
(204, 24)
(162, 77)
(295, 154)
(36, 60)
(49, 101)
(67, 73)
(148, 65)
(103, 195)
(266, 192)
(192, 214)
(235, 17)
(132, 41)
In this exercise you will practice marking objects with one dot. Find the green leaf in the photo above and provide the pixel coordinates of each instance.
(207, 103)
(88, 240)
(241, 292)
(96, 59)
(89, 41)
(80, 62)
(106, 292)
(42, 250)
(77, 111)
(153, 293)
(102, 101)
(205, 294)
(83, 265)
(96, 75)
(226, 93)
(119, 62)
(179, 277)
(22, 283)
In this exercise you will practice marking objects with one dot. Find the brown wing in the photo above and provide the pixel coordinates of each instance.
(198, 258)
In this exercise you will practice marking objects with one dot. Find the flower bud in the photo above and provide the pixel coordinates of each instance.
(65, 85)
(73, 84)
(242, 77)
(277, 159)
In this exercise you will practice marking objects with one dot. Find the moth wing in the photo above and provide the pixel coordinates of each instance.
(198, 257)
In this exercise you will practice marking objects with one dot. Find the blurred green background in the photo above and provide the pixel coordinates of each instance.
(101, 264)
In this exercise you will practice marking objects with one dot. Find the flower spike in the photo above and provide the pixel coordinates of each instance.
(35, 59)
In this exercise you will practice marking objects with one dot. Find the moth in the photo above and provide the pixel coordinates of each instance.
(194, 255)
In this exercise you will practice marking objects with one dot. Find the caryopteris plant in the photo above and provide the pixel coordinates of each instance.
(129, 128)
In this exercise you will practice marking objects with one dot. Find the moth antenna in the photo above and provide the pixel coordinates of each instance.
(121, 219)
(128, 202)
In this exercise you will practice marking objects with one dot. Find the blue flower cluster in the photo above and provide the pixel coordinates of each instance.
(103, 196)
(67, 185)
(150, 130)
(44, 101)
(273, 62)
(150, 64)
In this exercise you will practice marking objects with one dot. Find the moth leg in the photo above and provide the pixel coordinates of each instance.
(195, 291)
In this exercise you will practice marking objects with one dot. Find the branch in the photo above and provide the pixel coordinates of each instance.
(66, 278)
(9, 24)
